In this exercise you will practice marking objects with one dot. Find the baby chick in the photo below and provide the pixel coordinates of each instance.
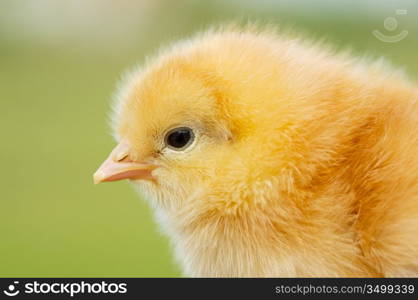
(266, 155)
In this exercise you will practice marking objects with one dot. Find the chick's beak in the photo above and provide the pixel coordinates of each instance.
(117, 167)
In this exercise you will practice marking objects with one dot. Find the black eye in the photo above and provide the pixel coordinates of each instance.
(179, 138)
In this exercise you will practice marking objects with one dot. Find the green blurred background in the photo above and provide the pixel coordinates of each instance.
(59, 62)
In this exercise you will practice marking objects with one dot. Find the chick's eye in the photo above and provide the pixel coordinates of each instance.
(179, 138)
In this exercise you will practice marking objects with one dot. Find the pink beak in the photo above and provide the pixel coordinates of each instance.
(117, 167)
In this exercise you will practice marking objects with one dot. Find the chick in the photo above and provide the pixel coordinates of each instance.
(267, 155)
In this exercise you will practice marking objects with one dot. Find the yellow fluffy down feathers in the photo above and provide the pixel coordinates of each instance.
(294, 160)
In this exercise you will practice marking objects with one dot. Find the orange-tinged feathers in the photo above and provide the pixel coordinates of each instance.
(304, 162)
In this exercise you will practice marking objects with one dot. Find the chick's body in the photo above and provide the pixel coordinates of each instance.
(304, 163)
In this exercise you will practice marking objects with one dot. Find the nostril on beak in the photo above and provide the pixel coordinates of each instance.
(121, 152)
(122, 157)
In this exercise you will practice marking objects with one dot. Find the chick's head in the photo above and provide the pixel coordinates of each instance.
(210, 121)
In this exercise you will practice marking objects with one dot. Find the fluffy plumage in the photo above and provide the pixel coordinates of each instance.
(305, 162)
